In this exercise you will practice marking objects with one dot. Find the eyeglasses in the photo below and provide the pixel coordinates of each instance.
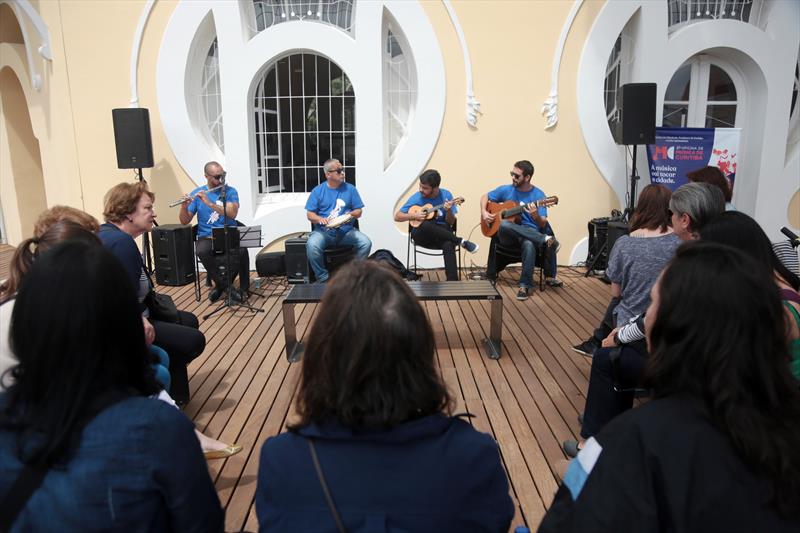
(339, 170)
(515, 175)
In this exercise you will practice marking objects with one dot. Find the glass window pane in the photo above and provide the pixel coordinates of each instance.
(299, 179)
(675, 116)
(324, 114)
(678, 88)
(337, 88)
(349, 114)
(323, 76)
(298, 114)
(720, 116)
(269, 84)
(296, 66)
(283, 77)
(336, 114)
(720, 86)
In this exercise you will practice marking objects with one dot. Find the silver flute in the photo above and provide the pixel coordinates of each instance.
(184, 197)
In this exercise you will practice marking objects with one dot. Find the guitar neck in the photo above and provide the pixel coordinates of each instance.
(514, 211)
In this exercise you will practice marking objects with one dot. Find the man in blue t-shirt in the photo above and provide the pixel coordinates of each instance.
(532, 230)
(328, 202)
(206, 203)
(436, 233)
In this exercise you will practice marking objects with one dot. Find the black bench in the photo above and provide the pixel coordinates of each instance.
(425, 290)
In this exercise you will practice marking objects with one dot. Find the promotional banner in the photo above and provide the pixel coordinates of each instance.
(681, 150)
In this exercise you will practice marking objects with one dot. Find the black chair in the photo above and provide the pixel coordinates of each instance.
(244, 267)
(429, 251)
(500, 256)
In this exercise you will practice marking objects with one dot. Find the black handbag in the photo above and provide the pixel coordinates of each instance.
(161, 306)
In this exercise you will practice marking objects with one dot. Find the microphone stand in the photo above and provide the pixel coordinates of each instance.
(228, 301)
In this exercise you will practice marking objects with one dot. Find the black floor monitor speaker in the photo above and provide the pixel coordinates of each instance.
(637, 124)
(132, 137)
(271, 264)
(297, 267)
(173, 254)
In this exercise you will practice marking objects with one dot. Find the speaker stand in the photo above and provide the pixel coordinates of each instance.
(148, 258)
(628, 213)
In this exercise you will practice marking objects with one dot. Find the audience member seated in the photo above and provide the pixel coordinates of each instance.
(714, 176)
(129, 213)
(375, 448)
(24, 256)
(635, 262)
(739, 230)
(82, 445)
(716, 448)
(692, 206)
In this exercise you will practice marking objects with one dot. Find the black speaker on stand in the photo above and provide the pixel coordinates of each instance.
(637, 125)
(134, 150)
(173, 252)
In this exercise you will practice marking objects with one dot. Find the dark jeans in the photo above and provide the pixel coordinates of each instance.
(527, 239)
(215, 263)
(607, 325)
(439, 237)
(182, 342)
(603, 403)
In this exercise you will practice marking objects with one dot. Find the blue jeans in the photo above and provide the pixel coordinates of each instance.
(527, 238)
(161, 367)
(325, 238)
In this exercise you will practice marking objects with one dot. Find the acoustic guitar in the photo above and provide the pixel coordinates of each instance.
(429, 211)
(511, 210)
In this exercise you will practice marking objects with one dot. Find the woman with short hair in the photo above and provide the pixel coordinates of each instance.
(375, 448)
(129, 213)
(81, 443)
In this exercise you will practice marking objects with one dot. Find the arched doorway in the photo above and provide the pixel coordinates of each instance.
(21, 177)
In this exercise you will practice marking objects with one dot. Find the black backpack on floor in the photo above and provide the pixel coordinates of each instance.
(387, 258)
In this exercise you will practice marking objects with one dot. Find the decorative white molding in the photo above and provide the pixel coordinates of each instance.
(25, 7)
(550, 105)
(243, 58)
(473, 105)
(136, 48)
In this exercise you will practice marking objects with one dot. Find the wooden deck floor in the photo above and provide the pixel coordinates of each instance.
(242, 386)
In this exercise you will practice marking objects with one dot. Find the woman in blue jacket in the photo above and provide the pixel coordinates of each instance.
(375, 448)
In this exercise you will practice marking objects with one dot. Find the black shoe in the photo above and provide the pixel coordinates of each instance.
(554, 282)
(523, 293)
(215, 294)
(587, 347)
(570, 448)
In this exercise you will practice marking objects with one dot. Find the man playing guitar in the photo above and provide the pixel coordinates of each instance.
(435, 228)
(532, 230)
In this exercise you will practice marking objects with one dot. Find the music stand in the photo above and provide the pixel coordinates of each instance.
(250, 237)
(229, 235)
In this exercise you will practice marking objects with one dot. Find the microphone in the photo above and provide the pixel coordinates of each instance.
(794, 240)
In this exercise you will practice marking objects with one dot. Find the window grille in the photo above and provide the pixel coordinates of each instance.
(211, 96)
(686, 11)
(399, 92)
(304, 114)
(335, 12)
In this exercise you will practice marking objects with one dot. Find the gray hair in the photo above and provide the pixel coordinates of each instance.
(328, 165)
(701, 201)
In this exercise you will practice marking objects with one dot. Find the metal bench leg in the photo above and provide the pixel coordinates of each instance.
(494, 341)
(294, 349)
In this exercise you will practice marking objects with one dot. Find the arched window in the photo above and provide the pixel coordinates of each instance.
(304, 114)
(399, 88)
(701, 94)
(211, 96)
(335, 12)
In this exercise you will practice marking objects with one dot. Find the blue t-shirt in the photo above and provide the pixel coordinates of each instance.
(443, 196)
(508, 192)
(207, 218)
(327, 202)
